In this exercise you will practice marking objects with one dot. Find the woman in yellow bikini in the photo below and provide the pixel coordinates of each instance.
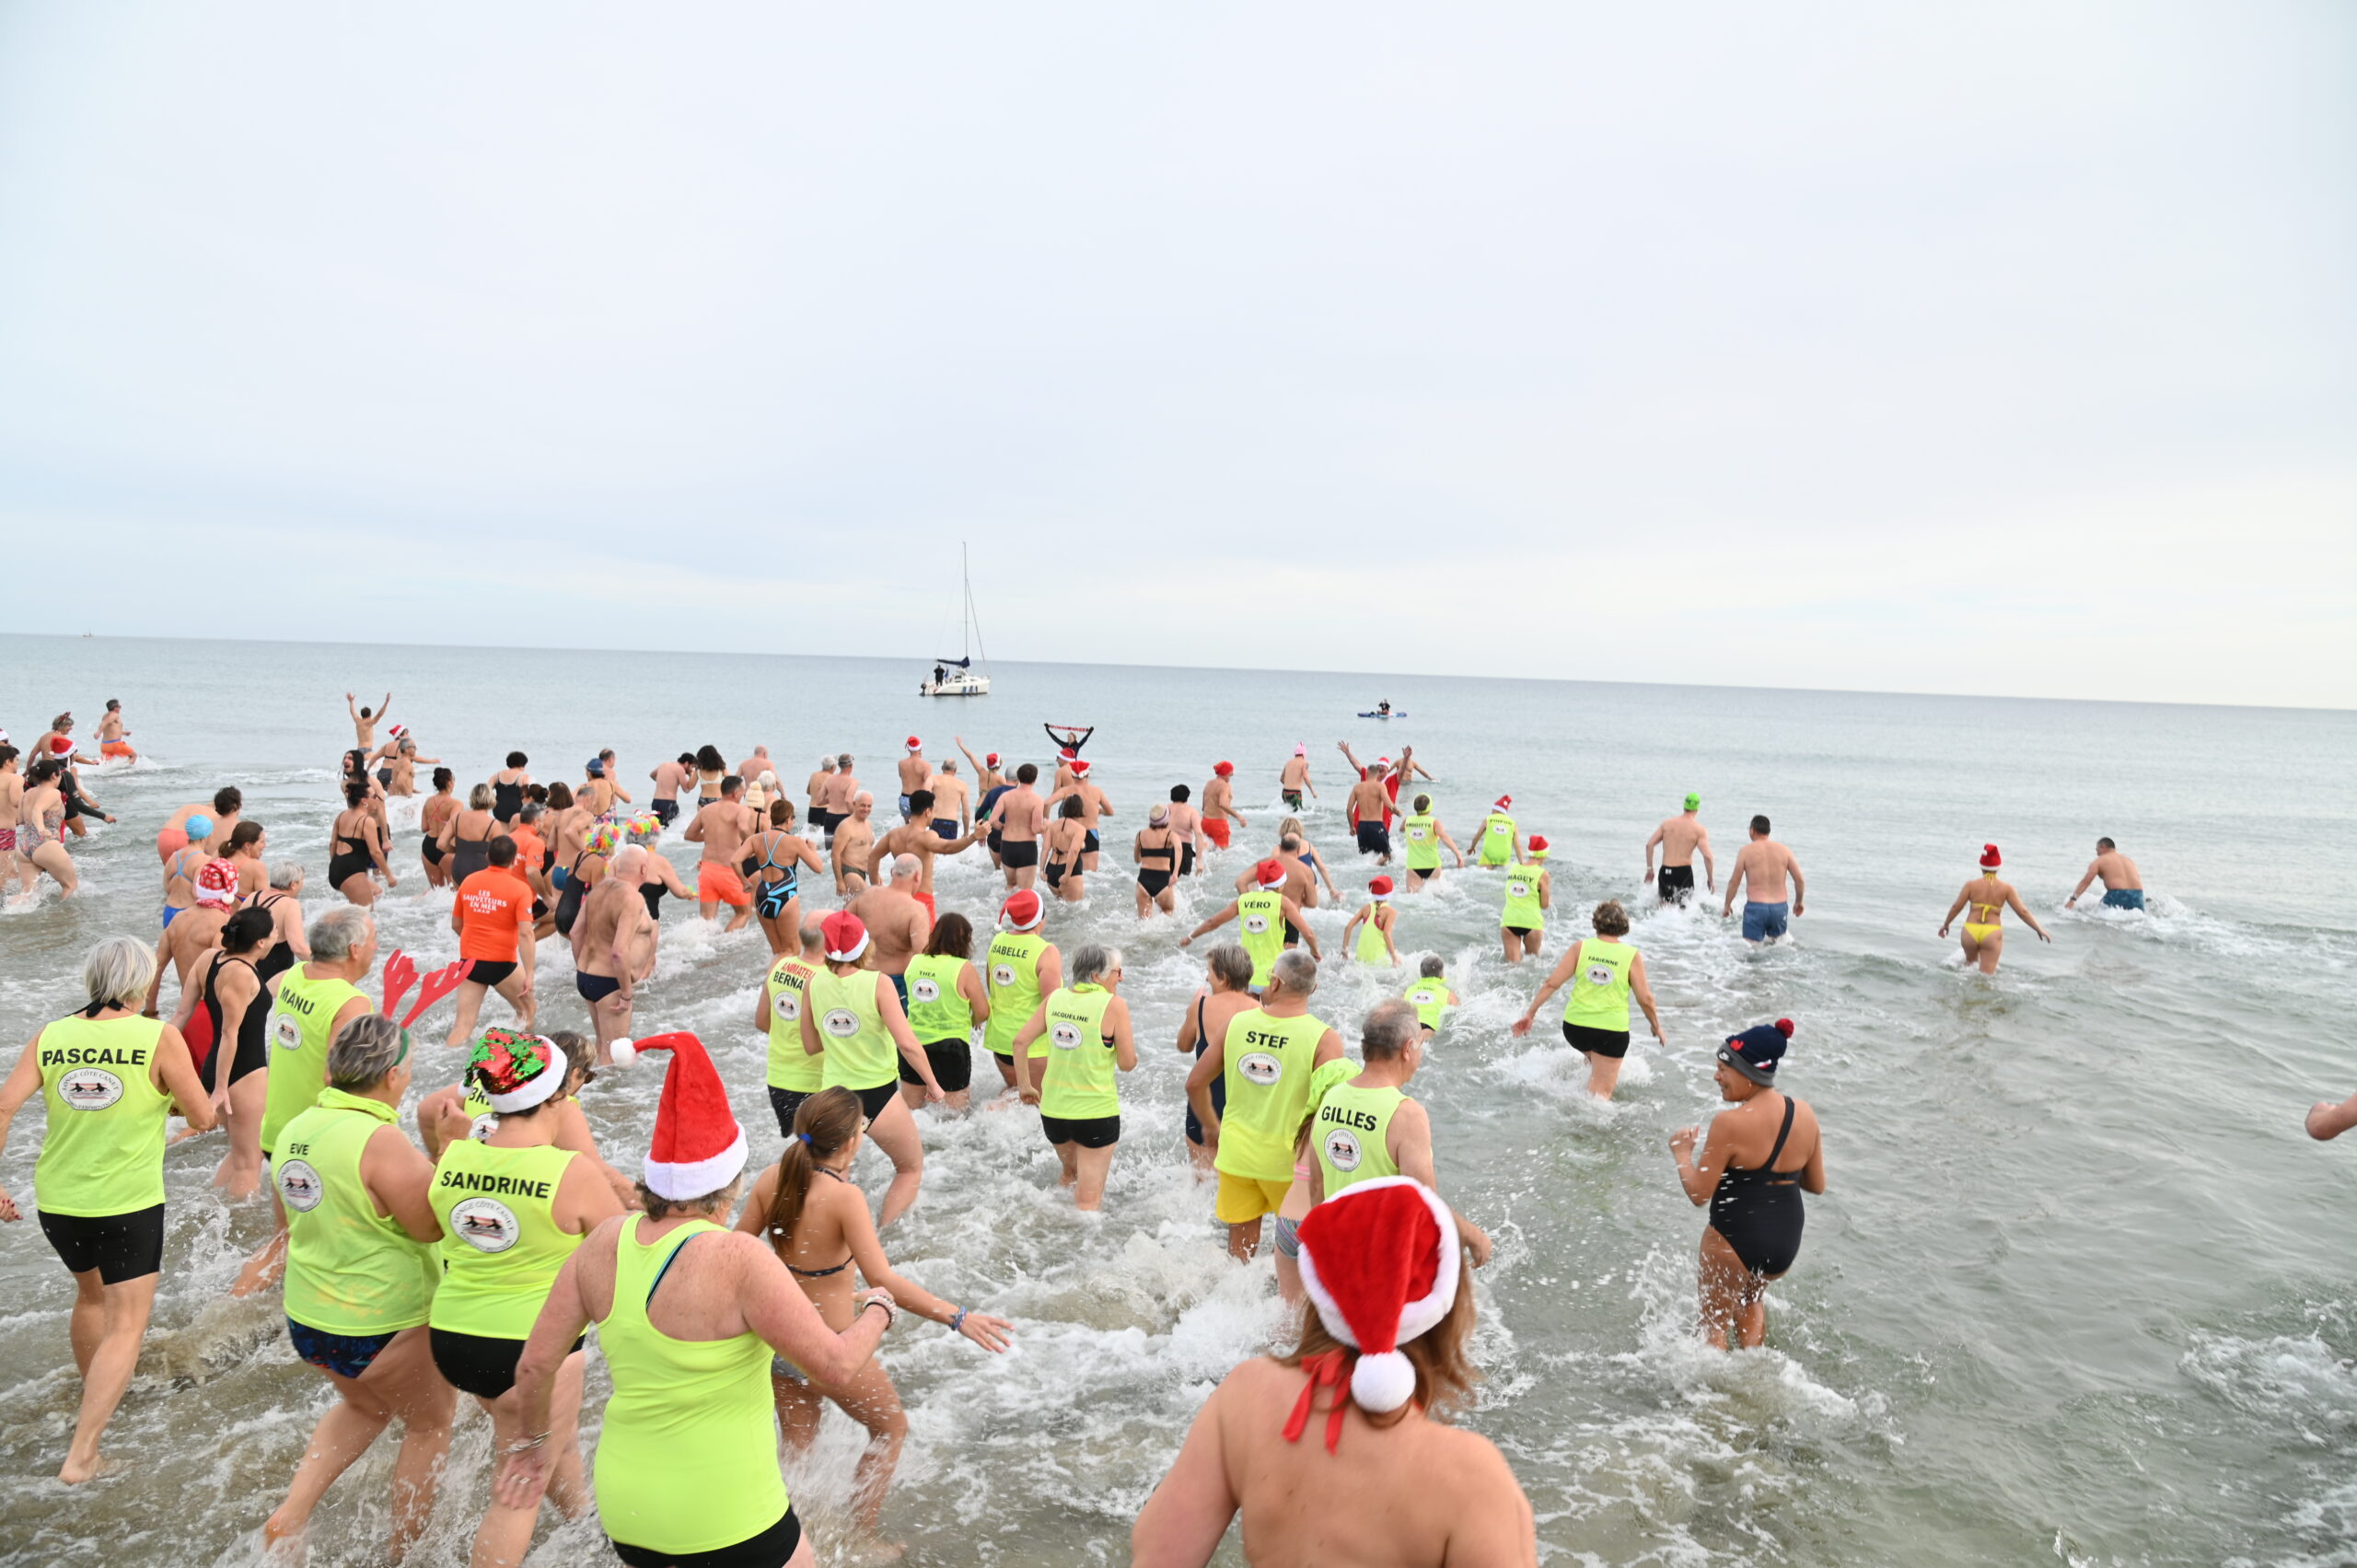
(1989, 897)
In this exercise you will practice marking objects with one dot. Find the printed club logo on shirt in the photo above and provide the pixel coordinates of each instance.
(1499, 829)
(1517, 887)
(485, 1223)
(1416, 834)
(1257, 925)
(89, 1088)
(299, 1186)
(1065, 1034)
(1261, 1068)
(1003, 974)
(286, 1031)
(1599, 974)
(840, 1022)
(1342, 1149)
(789, 1006)
(1421, 998)
(925, 990)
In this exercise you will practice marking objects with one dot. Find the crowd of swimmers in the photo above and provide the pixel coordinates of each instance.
(469, 1258)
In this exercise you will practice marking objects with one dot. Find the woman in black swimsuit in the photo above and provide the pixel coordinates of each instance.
(229, 1009)
(283, 901)
(1156, 853)
(508, 789)
(1759, 1160)
(1066, 841)
(774, 861)
(807, 1208)
(357, 847)
(466, 839)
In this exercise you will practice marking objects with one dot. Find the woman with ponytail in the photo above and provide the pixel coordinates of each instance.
(807, 1208)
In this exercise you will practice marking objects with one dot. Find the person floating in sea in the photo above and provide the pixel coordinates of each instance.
(1383, 1348)
(1764, 863)
(1681, 838)
(1758, 1161)
(1604, 975)
(1295, 778)
(107, 1078)
(2123, 887)
(1988, 896)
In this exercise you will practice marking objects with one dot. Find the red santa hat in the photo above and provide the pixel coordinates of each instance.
(1506, 803)
(698, 1147)
(914, 744)
(1067, 755)
(1022, 910)
(1223, 769)
(846, 936)
(1990, 859)
(1269, 874)
(217, 885)
(1380, 1261)
(1380, 889)
(1080, 765)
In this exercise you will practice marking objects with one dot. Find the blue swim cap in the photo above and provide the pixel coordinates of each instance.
(597, 767)
(198, 827)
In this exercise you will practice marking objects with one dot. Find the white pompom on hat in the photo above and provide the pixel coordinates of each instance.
(698, 1145)
(1380, 1261)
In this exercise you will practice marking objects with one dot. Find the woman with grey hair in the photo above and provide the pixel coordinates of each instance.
(1087, 1031)
(359, 1280)
(466, 839)
(284, 900)
(109, 1078)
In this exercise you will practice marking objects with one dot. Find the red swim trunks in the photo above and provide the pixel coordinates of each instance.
(1215, 829)
(720, 883)
(930, 912)
(116, 749)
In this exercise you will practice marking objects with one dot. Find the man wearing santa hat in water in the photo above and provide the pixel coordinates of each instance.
(1353, 1464)
(689, 1315)
(914, 772)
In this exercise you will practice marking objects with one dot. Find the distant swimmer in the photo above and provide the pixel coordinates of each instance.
(365, 720)
(822, 1231)
(1681, 838)
(108, 1079)
(1989, 897)
(1373, 925)
(953, 812)
(1093, 806)
(1498, 841)
(1758, 1161)
(1764, 863)
(1155, 851)
(2123, 887)
(921, 838)
(1604, 976)
(12, 793)
(1430, 995)
(855, 838)
(1391, 777)
(360, 1282)
(722, 827)
(114, 740)
(1086, 1028)
(1295, 778)
(1380, 1359)
(671, 777)
(914, 770)
(493, 918)
(1014, 822)
(1425, 836)
(1531, 893)
(1187, 822)
(1266, 916)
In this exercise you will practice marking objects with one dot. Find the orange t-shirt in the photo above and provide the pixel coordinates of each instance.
(495, 904)
(531, 853)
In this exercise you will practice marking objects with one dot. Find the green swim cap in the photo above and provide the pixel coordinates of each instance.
(1693, 801)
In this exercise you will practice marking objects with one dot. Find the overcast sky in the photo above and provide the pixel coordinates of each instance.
(1974, 348)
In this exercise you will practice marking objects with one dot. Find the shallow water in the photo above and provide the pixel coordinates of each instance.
(2070, 1296)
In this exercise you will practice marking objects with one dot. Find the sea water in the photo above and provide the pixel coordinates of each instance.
(2078, 1291)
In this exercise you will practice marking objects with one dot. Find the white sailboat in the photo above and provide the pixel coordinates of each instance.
(957, 677)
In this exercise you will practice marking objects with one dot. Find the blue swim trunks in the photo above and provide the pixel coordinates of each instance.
(2123, 898)
(1761, 922)
(346, 1355)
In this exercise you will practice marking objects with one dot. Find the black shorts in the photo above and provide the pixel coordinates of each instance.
(1293, 935)
(595, 988)
(1187, 861)
(119, 1246)
(1374, 839)
(1090, 843)
(823, 820)
(997, 845)
(873, 1101)
(477, 1363)
(1020, 854)
(785, 1102)
(1613, 1044)
(953, 1065)
(1088, 1132)
(1521, 930)
(666, 812)
(772, 1548)
(482, 972)
(1676, 883)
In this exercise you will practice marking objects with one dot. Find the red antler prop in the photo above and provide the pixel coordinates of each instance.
(399, 975)
(437, 985)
